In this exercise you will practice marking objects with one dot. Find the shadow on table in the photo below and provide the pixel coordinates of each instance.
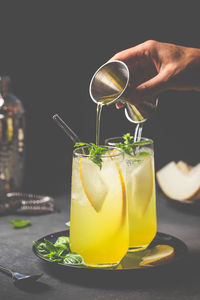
(33, 287)
(182, 275)
(189, 207)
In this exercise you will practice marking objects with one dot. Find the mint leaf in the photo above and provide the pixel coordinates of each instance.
(80, 144)
(143, 153)
(59, 251)
(129, 146)
(53, 257)
(50, 246)
(142, 143)
(126, 148)
(63, 243)
(73, 259)
(62, 240)
(95, 152)
(41, 248)
(18, 223)
(68, 223)
(128, 139)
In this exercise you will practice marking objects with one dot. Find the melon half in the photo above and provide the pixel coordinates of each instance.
(178, 184)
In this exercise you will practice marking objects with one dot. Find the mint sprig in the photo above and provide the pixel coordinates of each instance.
(59, 251)
(129, 146)
(95, 152)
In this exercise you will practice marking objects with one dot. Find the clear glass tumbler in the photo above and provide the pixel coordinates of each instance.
(99, 217)
(141, 194)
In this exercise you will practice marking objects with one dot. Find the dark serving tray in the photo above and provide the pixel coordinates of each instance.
(132, 259)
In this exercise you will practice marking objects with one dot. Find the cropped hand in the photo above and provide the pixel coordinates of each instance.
(156, 67)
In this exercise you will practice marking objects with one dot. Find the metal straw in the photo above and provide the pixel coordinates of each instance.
(67, 130)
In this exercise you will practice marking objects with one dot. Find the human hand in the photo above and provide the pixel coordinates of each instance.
(156, 67)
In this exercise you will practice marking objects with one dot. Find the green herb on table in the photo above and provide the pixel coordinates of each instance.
(18, 223)
(68, 224)
(95, 152)
(129, 146)
(59, 251)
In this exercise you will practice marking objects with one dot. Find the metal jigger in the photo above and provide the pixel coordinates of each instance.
(109, 85)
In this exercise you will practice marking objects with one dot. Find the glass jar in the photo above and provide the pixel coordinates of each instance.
(12, 135)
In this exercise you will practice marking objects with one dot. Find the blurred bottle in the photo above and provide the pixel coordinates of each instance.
(12, 134)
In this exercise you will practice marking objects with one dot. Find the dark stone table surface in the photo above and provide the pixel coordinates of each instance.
(176, 281)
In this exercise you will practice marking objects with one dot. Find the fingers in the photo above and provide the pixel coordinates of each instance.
(119, 105)
(129, 56)
(153, 86)
(144, 95)
(146, 81)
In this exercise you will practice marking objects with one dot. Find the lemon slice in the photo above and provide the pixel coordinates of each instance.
(123, 188)
(142, 186)
(94, 186)
(158, 255)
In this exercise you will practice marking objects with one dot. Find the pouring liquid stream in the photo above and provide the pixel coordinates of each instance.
(138, 132)
(98, 118)
(138, 129)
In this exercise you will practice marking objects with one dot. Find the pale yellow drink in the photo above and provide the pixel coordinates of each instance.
(140, 187)
(98, 222)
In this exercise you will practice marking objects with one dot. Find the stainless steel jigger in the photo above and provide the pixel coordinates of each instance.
(109, 85)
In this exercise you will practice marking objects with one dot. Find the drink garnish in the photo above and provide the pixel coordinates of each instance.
(122, 182)
(93, 183)
(59, 251)
(129, 146)
(95, 152)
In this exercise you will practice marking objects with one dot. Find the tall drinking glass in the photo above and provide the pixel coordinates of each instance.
(141, 196)
(99, 218)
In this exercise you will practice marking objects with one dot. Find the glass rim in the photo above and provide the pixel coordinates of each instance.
(120, 151)
(107, 140)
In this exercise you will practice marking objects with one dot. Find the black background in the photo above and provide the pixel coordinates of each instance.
(51, 50)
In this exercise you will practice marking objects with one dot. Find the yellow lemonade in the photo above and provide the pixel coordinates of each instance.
(98, 219)
(141, 194)
(141, 200)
